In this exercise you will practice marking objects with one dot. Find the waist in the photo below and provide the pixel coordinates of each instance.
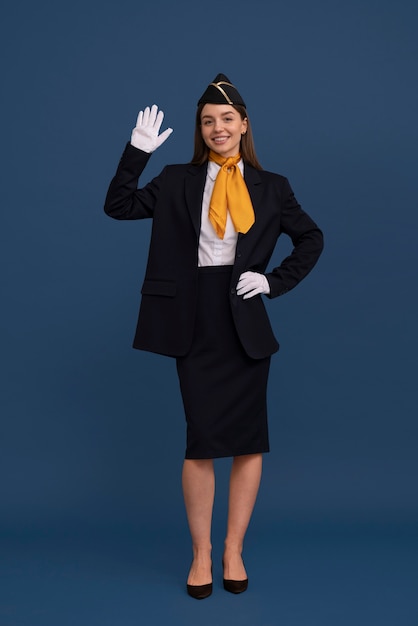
(215, 269)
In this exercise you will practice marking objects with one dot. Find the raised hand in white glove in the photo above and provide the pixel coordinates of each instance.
(145, 134)
(251, 284)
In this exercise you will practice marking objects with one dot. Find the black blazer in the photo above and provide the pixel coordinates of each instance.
(174, 201)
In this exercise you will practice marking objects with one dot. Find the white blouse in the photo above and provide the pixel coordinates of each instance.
(212, 250)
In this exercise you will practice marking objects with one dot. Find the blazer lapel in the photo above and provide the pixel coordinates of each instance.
(253, 182)
(194, 187)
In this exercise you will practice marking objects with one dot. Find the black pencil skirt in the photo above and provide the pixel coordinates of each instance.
(223, 389)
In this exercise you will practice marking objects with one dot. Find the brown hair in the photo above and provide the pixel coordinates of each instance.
(201, 151)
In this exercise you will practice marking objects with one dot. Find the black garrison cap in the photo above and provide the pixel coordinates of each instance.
(221, 91)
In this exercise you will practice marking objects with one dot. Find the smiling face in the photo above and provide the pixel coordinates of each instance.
(222, 128)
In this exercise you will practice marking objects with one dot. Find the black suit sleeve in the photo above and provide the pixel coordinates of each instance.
(307, 240)
(123, 200)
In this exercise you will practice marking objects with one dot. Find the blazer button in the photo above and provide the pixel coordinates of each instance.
(232, 291)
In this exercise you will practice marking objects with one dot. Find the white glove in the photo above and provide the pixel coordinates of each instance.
(145, 134)
(252, 283)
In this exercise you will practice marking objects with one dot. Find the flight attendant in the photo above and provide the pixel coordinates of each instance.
(216, 221)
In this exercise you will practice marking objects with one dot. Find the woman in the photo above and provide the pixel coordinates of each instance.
(216, 221)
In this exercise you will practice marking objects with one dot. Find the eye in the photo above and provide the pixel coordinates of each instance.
(207, 123)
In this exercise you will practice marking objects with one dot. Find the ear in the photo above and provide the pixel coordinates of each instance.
(244, 126)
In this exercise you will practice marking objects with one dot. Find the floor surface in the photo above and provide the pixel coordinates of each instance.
(299, 576)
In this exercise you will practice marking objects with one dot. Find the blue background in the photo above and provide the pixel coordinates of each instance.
(91, 518)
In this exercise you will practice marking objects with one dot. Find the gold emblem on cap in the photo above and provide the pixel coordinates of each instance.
(223, 82)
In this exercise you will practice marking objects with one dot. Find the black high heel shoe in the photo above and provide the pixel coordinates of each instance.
(235, 586)
(200, 592)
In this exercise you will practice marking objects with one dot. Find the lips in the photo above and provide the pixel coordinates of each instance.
(220, 140)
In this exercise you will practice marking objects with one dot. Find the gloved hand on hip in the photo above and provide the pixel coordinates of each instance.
(251, 284)
(145, 135)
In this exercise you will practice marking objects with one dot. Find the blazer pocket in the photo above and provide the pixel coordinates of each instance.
(159, 288)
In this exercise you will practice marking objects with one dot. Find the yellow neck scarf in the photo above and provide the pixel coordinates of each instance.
(230, 193)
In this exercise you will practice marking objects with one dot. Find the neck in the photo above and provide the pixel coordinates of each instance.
(220, 159)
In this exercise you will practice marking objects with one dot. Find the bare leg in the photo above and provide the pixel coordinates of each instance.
(199, 491)
(243, 489)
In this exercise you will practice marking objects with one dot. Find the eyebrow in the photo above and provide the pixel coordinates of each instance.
(222, 115)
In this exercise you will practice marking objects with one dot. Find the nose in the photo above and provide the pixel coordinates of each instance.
(218, 125)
